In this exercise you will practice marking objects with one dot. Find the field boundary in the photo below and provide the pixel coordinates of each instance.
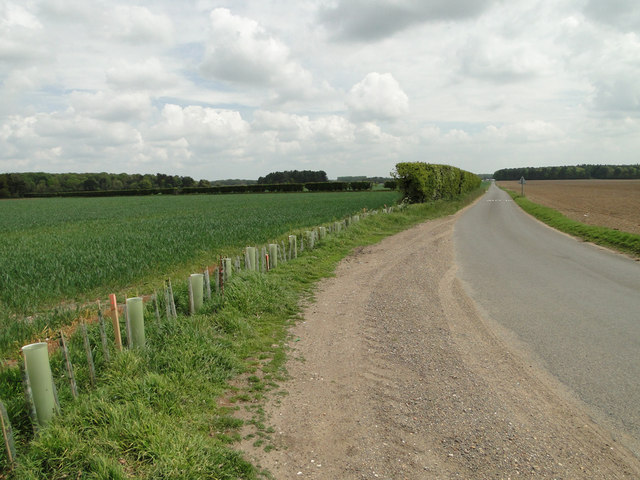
(150, 394)
(624, 242)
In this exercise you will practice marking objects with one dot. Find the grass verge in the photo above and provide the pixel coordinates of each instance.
(157, 412)
(622, 241)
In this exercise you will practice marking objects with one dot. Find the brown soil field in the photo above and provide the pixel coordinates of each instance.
(608, 203)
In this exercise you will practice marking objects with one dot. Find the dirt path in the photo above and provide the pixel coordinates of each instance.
(395, 375)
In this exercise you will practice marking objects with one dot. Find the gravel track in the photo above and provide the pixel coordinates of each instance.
(395, 374)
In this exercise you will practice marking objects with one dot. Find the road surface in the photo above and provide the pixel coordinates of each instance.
(574, 306)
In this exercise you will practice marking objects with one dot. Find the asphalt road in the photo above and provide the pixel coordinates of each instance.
(574, 305)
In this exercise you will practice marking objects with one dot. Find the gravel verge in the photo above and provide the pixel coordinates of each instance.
(395, 374)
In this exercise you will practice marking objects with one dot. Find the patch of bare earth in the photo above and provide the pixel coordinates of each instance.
(607, 203)
(395, 375)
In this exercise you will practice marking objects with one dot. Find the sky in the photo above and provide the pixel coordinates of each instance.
(241, 88)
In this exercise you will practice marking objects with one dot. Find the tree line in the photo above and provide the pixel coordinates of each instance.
(294, 176)
(570, 172)
(41, 183)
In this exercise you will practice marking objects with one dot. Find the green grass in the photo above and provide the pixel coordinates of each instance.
(62, 248)
(69, 251)
(622, 241)
(156, 412)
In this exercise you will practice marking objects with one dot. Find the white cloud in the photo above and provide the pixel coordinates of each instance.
(150, 74)
(20, 35)
(620, 14)
(524, 132)
(501, 60)
(348, 86)
(136, 24)
(377, 97)
(240, 51)
(112, 106)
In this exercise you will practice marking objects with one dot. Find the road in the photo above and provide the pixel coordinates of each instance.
(574, 306)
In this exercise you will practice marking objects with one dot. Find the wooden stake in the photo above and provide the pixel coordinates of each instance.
(192, 305)
(7, 434)
(116, 322)
(155, 304)
(221, 276)
(103, 336)
(68, 366)
(87, 349)
(28, 395)
(207, 283)
(127, 324)
(167, 302)
(173, 302)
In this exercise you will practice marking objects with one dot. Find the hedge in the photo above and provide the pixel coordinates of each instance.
(424, 182)
(218, 189)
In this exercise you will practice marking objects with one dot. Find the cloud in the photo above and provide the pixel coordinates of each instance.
(524, 132)
(137, 25)
(498, 60)
(240, 51)
(150, 74)
(206, 131)
(365, 20)
(20, 35)
(620, 14)
(377, 97)
(111, 106)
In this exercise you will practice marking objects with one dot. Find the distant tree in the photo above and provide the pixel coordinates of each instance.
(294, 176)
(4, 186)
(145, 184)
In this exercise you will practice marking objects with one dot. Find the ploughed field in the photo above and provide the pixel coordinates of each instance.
(63, 249)
(608, 203)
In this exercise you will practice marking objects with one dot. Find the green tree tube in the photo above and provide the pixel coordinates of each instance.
(337, 226)
(322, 232)
(251, 258)
(36, 359)
(310, 239)
(197, 286)
(273, 255)
(293, 246)
(227, 269)
(136, 320)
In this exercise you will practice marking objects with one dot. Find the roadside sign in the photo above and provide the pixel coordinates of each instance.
(522, 182)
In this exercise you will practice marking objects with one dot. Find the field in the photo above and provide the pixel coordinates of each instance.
(66, 249)
(609, 203)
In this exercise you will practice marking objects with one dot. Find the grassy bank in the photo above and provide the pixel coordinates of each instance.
(622, 241)
(156, 412)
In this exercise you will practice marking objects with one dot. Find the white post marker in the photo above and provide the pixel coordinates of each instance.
(522, 182)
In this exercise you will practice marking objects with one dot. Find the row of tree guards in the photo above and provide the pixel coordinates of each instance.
(39, 386)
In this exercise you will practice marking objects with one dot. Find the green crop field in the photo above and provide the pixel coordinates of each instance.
(63, 249)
